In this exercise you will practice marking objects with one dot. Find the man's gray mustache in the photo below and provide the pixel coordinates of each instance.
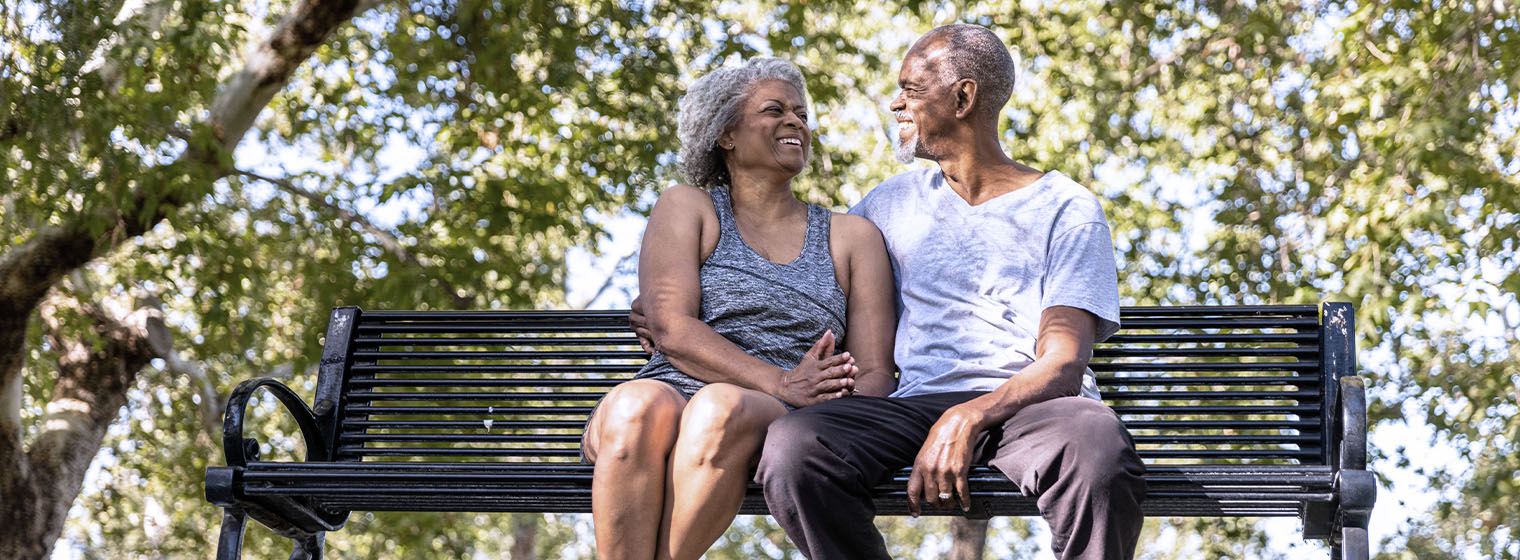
(897, 118)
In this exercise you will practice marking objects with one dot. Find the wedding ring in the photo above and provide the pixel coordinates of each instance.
(944, 495)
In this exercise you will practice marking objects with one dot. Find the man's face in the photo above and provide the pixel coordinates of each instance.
(920, 103)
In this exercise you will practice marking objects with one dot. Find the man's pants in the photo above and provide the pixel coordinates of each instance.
(821, 462)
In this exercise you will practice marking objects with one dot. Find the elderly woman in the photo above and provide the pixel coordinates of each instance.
(747, 293)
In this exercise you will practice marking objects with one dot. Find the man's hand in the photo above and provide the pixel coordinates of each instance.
(640, 325)
(939, 472)
(822, 375)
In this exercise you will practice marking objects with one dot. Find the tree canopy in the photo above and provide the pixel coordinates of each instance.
(189, 185)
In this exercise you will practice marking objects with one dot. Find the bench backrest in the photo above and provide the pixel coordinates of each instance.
(1195, 385)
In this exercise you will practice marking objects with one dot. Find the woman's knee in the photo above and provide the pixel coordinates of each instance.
(721, 406)
(640, 415)
(722, 416)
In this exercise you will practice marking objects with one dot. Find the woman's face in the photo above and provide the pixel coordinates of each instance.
(772, 133)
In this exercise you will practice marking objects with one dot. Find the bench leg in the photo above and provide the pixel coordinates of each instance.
(1354, 545)
(309, 547)
(230, 546)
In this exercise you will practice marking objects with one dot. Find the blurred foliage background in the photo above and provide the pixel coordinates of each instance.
(435, 154)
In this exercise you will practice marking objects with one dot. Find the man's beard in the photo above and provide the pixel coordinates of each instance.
(905, 151)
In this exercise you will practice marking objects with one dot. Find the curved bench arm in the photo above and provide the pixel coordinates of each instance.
(238, 450)
(1356, 486)
(1353, 423)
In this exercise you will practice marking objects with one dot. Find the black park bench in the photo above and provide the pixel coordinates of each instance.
(1237, 411)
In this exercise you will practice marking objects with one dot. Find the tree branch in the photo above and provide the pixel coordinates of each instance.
(968, 538)
(26, 273)
(271, 64)
(150, 15)
(387, 240)
(160, 340)
(93, 378)
(12, 354)
(30, 269)
(1196, 48)
(33, 509)
(367, 5)
(611, 276)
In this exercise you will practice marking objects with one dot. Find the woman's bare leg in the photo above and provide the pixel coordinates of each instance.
(722, 430)
(629, 440)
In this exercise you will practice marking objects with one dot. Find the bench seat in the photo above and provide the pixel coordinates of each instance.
(1177, 491)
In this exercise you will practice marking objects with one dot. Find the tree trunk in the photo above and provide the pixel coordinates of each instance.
(968, 538)
(38, 484)
(93, 378)
(524, 537)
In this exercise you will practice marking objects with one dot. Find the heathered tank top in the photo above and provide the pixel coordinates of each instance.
(774, 312)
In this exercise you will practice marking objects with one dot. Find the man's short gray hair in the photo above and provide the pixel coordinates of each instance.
(711, 107)
(977, 53)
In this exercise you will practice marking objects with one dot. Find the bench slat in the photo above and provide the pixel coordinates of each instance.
(483, 396)
(534, 355)
(1206, 396)
(365, 409)
(1124, 337)
(1305, 365)
(1209, 380)
(485, 382)
(1188, 322)
(618, 340)
(1102, 352)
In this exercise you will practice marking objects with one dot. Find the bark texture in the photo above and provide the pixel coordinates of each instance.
(39, 480)
(968, 538)
(524, 537)
(94, 373)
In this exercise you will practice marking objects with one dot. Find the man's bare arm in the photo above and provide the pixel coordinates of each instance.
(872, 305)
(1062, 350)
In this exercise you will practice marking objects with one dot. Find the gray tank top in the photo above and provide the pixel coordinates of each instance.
(774, 312)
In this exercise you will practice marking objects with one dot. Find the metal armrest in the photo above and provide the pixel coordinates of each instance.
(1357, 487)
(1353, 424)
(239, 450)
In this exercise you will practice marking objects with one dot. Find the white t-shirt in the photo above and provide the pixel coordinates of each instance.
(972, 281)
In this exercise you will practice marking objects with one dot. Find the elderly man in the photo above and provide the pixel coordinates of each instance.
(1005, 279)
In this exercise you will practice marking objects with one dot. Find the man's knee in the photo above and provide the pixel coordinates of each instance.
(1087, 442)
(790, 442)
(1100, 448)
(1098, 428)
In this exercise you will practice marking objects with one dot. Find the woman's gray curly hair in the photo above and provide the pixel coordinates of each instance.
(711, 106)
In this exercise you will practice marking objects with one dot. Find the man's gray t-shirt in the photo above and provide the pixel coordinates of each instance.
(972, 281)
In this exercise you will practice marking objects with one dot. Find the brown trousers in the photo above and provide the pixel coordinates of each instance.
(820, 464)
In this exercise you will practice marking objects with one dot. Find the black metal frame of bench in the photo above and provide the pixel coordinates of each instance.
(1237, 411)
